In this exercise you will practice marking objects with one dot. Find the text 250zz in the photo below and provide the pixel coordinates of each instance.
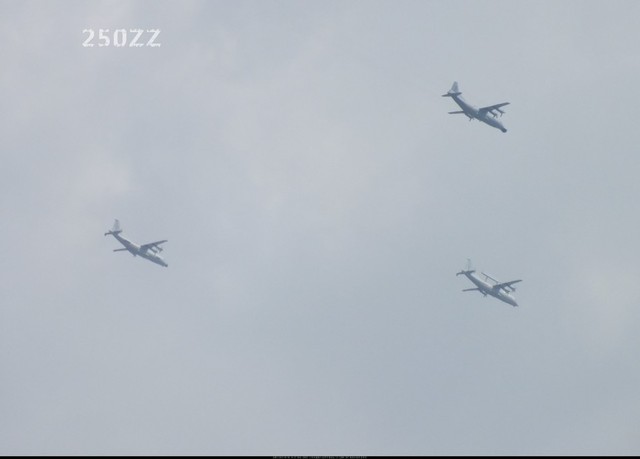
(133, 38)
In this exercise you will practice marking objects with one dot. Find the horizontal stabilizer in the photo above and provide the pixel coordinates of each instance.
(470, 289)
(116, 228)
(454, 91)
(119, 250)
(458, 112)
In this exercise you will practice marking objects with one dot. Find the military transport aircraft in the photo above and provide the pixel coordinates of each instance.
(485, 114)
(495, 288)
(149, 251)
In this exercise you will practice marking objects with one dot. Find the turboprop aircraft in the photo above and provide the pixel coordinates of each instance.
(485, 114)
(149, 251)
(490, 286)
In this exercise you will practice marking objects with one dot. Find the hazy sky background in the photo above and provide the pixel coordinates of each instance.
(318, 201)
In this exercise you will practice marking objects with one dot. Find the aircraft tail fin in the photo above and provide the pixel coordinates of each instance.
(454, 91)
(116, 228)
(468, 269)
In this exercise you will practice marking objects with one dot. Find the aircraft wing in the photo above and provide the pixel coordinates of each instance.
(506, 285)
(156, 244)
(489, 277)
(491, 108)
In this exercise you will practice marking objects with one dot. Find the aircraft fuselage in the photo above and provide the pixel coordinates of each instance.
(137, 251)
(488, 289)
(472, 112)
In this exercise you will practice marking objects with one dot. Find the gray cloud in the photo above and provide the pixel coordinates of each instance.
(318, 201)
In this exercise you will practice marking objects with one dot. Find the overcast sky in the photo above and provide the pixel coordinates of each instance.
(318, 201)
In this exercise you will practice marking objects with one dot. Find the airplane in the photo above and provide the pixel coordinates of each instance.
(472, 112)
(149, 251)
(495, 288)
